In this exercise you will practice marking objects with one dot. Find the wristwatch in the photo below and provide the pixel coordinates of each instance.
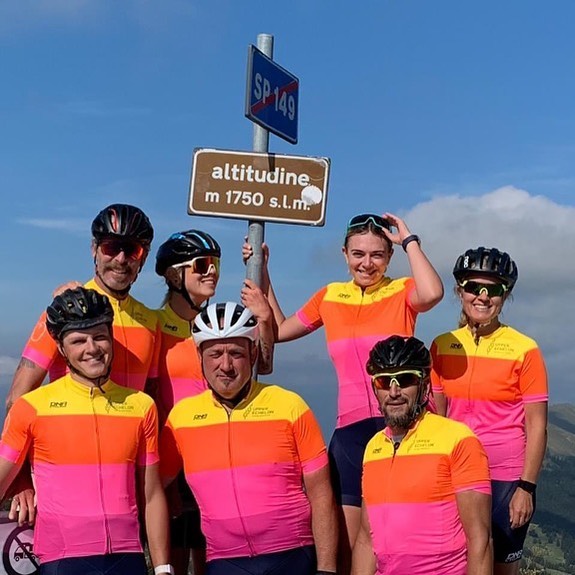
(527, 486)
(408, 240)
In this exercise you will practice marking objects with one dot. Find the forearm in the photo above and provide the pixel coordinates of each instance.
(428, 284)
(28, 376)
(479, 557)
(536, 440)
(534, 454)
(157, 528)
(363, 559)
(268, 333)
(325, 531)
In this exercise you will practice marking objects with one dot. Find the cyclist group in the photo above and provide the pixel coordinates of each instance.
(432, 467)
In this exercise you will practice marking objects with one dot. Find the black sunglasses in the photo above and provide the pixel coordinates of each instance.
(365, 219)
(132, 250)
(478, 288)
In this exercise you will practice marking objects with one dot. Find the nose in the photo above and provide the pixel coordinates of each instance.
(226, 362)
(394, 389)
(91, 346)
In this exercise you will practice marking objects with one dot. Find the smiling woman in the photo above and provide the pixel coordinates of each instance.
(356, 315)
(493, 378)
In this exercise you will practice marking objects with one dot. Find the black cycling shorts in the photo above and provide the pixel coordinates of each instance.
(299, 561)
(185, 529)
(346, 450)
(507, 542)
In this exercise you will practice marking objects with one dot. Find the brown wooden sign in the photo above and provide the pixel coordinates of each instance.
(258, 186)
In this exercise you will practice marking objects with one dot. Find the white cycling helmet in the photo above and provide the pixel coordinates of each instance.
(223, 321)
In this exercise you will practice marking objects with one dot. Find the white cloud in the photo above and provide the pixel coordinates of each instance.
(68, 225)
(539, 235)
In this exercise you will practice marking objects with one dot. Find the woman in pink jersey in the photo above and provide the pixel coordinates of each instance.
(189, 261)
(356, 314)
(493, 378)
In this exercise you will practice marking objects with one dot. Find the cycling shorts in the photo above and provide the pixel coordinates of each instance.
(346, 450)
(507, 542)
(185, 529)
(111, 564)
(301, 560)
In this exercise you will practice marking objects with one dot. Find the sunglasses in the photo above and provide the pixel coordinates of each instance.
(478, 288)
(365, 219)
(201, 265)
(132, 250)
(403, 379)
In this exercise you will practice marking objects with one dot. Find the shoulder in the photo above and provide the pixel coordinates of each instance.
(445, 340)
(281, 400)
(140, 313)
(449, 430)
(522, 340)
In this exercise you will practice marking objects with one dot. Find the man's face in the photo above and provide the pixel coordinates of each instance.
(89, 351)
(118, 262)
(227, 365)
(397, 393)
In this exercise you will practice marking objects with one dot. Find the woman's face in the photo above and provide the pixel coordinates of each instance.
(201, 287)
(367, 257)
(481, 308)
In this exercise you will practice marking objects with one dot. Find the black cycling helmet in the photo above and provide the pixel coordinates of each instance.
(125, 221)
(397, 352)
(486, 261)
(77, 309)
(184, 246)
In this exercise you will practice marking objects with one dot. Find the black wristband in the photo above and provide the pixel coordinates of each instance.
(527, 486)
(408, 240)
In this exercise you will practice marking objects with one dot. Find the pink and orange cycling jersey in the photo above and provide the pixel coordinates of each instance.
(85, 445)
(179, 370)
(355, 320)
(487, 385)
(136, 344)
(245, 468)
(410, 489)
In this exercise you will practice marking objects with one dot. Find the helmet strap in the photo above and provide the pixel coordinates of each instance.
(184, 293)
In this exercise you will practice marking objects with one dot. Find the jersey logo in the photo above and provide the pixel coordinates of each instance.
(171, 327)
(200, 416)
(58, 404)
(343, 295)
(118, 406)
(512, 557)
(456, 346)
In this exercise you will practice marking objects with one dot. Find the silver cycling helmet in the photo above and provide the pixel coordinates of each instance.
(224, 321)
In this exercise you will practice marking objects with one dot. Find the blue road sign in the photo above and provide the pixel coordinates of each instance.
(272, 95)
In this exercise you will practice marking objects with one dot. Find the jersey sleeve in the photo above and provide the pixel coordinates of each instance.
(409, 290)
(17, 433)
(533, 377)
(309, 314)
(170, 457)
(308, 437)
(40, 347)
(154, 370)
(436, 383)
(148, 448)
(469, 466)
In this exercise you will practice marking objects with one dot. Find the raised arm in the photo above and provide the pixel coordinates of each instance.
(287, 328)
(428, 286)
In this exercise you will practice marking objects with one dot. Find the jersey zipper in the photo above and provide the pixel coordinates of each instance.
(366, 386)
(235, 487)
(100, 477)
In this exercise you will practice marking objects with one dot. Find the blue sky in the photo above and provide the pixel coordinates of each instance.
(456, 115)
